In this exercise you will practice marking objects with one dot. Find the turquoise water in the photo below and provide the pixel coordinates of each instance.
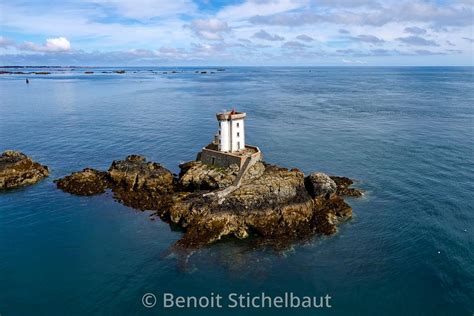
(406, 135)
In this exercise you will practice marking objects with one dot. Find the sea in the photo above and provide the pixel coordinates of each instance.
(404, 134)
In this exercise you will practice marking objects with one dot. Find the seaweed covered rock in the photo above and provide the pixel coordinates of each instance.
(196, 175)
(134, 181)
(86, 182)
(268, 201)
(135, 174)
(328, 213)
(275, 205)
(343, 185)
(17, 169)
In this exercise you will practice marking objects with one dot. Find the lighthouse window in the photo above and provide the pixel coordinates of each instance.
(238, 134)
(238, 124)
(238, 145)
(219, 132)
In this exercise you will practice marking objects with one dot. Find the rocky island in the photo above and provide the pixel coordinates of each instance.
(272, 202)
(17, 169)
(227, 191)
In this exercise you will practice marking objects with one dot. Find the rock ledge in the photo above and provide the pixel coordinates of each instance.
(276, 204)
(17, 169)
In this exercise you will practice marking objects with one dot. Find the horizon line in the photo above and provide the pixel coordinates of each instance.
(229, 66)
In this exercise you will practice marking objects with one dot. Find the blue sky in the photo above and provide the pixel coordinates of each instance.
(237, 32)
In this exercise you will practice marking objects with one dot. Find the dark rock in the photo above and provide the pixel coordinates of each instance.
(274, 205)
(86, 182)
(320, 184)
(195, 176)
(271, 202)
(17, 169)
(119, 71)
(143, 199)
(329, 212)
(342, 182)
(135, 173)
(343, 189)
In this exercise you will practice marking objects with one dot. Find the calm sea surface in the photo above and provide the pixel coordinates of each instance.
(406, 135)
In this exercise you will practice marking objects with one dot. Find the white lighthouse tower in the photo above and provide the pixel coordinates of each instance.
(228, 146)
(231, 133)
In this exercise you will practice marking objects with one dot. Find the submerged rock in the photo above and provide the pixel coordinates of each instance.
(17, 169)
(274, 203)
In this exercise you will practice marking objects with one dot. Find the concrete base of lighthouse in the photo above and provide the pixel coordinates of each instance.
(210, 155)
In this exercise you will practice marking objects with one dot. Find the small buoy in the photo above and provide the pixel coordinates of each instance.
(27, 81)
(439, 251)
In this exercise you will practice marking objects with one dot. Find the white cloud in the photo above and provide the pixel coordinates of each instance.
(294, 45)
(251, 29)
(378, 15)
(6, 42)
(305, 38)
(211, 29)
(415, 30)
(417, 40)
(263, 7)
(267, 36)
(368, 39)
(353, 61)
(60, 44)
(145, 9)
(79, 24)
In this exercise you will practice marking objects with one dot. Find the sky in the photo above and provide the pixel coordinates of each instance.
(237, 32)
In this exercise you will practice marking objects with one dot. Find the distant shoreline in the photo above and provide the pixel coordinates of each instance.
(227, 66)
